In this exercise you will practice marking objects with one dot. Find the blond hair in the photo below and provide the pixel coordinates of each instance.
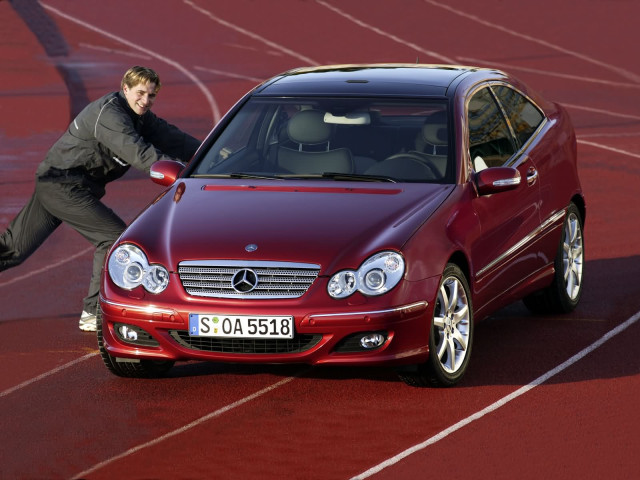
(137, 75)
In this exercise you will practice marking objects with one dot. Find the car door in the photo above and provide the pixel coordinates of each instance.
(503, 254)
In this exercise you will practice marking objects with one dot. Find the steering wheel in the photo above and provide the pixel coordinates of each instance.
(416, 157)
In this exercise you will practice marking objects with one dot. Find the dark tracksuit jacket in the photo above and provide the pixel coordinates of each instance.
(100, 145)
(107, 138)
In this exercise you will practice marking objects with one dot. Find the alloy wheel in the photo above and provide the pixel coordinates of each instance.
(572, 256)
(451, 325)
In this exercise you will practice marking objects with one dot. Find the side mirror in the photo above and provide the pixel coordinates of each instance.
(497, 179)
(165, 172)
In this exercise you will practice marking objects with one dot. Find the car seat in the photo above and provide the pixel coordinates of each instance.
(313, 154)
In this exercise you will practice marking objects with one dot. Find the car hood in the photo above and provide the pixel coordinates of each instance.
(332, 224)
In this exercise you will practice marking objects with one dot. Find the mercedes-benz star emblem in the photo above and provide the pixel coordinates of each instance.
(244, 281)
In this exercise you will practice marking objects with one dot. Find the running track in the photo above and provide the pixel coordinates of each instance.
(545, 397)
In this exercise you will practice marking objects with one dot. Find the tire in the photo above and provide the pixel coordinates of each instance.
(130, 368)
(450, 335)
(564, 293)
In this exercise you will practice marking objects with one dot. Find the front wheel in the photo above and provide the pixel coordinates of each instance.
(564, 293)
(450, 336)
(128, 367)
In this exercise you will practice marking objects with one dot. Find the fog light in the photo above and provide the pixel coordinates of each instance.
(372, 340)
(128, 333)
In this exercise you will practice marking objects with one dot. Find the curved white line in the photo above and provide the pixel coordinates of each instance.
(215, 111)
(586, 58)
(500, 403)
(250, 34)
(390, 36)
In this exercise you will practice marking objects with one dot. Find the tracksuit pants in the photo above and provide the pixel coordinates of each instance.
(52, 203)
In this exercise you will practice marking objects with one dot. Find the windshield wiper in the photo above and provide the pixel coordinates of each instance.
(258, 176)
(357, 177)
(292, 176)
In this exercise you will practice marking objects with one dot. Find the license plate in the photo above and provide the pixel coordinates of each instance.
(240, 326)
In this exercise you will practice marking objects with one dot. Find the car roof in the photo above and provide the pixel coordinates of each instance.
(413, 80)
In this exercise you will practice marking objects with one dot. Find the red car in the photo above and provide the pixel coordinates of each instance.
(352, 215)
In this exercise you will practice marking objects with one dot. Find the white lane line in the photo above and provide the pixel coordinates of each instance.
(114, 51)
(418, 48)
(611, 149)
(500, 403)
(47, 374)
(620, 71)
(229, 74)
(609, 135)
(47, 267)
(253, 49)
(183, 429)
(250, 34)
(215, 111)
(604, 112)
(548, 73)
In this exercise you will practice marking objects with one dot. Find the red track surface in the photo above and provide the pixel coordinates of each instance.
(63, 415)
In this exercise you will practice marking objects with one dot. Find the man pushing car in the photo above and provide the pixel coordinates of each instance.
(108, 137)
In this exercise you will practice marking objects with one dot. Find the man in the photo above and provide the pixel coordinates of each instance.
(109, 136)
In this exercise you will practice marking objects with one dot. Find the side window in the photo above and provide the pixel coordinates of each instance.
(523, 115)
(490, 141)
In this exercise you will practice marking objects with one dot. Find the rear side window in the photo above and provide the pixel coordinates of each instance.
(524, 116)
(490, 141)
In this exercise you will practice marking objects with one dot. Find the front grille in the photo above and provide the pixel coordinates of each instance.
(247, 280)
(245, 345)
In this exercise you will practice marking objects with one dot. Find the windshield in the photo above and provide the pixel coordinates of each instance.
(334, 138)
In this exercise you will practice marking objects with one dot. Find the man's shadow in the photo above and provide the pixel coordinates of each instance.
(55, 46)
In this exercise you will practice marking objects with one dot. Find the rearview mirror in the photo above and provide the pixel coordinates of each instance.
(497, 179)
(354, 118)
(165, 172)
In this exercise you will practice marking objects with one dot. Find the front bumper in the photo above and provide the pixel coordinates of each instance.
(322, 338)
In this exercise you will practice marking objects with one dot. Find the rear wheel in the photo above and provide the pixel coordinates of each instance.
(564, 293)
(451, 335)
(128, 367)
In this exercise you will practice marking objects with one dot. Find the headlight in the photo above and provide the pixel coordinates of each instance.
(129, 268)
(377, 275)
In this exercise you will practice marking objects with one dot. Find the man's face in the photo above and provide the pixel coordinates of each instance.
(140, 97)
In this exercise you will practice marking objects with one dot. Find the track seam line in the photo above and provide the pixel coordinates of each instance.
(500, 403)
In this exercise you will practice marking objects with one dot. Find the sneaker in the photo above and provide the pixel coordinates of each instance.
(87, 322)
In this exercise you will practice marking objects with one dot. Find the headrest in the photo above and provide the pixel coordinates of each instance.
(434, 131)
(308, 127)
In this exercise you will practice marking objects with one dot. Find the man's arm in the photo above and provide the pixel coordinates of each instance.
(115, 130)
(169, 139)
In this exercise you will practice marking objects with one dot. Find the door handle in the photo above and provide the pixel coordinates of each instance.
(532, 176)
